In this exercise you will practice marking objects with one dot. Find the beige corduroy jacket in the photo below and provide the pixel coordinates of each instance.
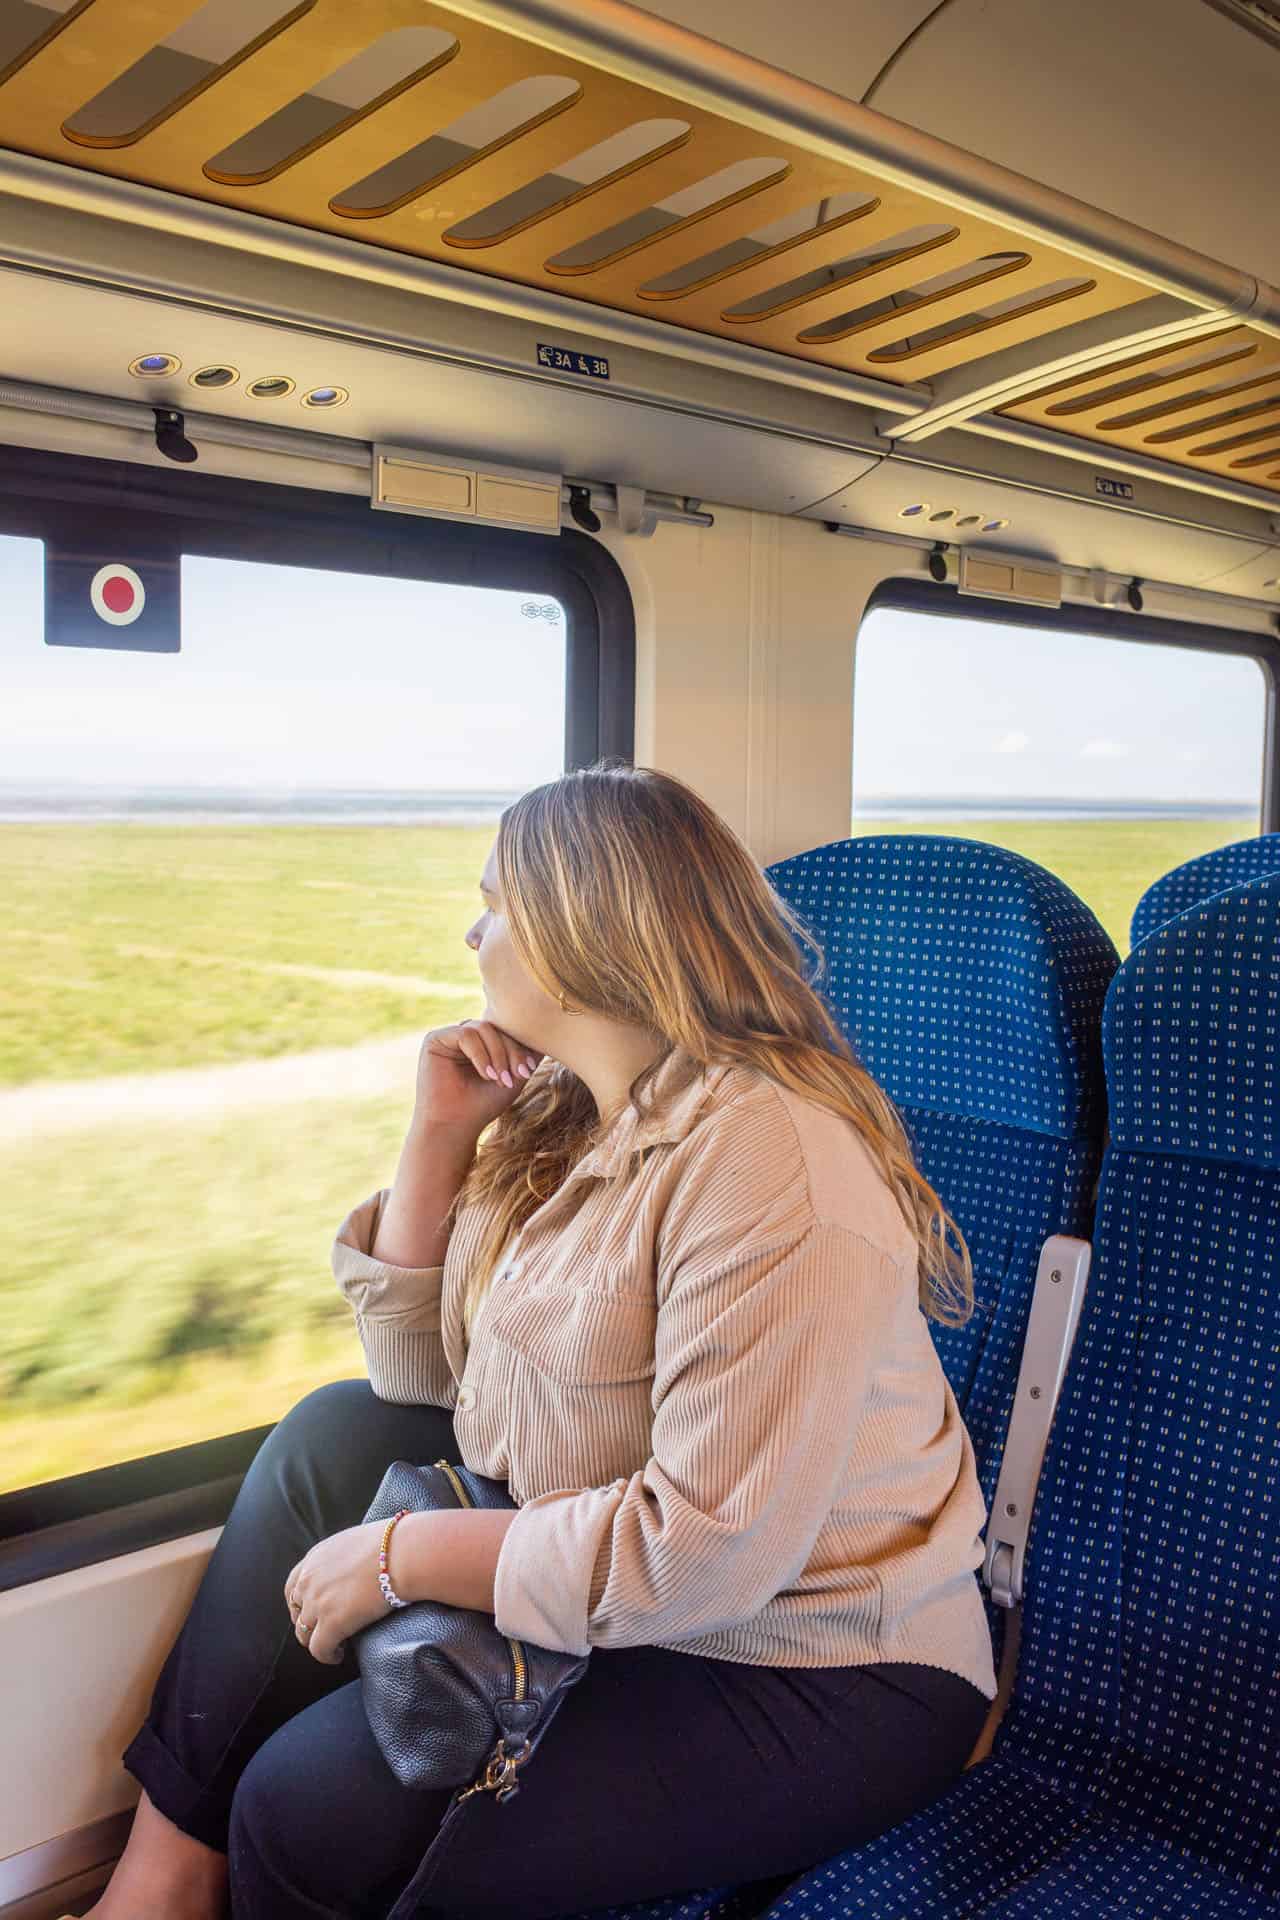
(703, 1371)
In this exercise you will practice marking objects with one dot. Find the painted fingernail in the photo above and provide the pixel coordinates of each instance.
(507, 1081)
(490, 1074)
(523, 1071)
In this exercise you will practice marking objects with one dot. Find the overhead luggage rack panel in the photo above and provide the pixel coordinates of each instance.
(1212, 405)
(420, 129)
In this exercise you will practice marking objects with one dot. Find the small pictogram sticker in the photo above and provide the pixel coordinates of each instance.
(117, 595)
(114, 580)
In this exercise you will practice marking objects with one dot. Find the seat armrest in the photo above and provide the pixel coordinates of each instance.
(1051, 1328)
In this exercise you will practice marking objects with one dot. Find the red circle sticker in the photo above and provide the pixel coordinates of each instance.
(117, 595)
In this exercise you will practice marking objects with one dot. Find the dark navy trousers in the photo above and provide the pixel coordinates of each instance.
(662, 1772)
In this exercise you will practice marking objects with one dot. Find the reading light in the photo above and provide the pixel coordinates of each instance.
(154, 366)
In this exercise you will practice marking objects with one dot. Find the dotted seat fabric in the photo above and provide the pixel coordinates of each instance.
(970, 982)
(1137, 1772)
(1199, 879)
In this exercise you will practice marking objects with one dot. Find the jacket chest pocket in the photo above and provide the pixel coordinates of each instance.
(579, 1338)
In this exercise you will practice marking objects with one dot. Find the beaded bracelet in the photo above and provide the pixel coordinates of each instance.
(389, 1593)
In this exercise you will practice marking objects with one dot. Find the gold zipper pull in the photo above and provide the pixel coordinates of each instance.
(464, 1498)
(499, 1776)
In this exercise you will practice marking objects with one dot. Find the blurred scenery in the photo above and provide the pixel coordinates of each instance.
(237, 883)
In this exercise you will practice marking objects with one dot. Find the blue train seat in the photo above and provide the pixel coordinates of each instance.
(1198, 879)
(970, 982)
(1138, 1770)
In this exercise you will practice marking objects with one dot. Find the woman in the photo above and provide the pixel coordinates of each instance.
(657, 1255)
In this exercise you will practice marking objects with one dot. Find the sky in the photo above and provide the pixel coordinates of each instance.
(952, 709)
(289, 679)
(293, 679)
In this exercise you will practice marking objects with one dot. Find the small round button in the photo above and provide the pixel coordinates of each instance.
(466, 1397)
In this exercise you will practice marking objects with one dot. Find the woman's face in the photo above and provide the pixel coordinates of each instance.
(513, 999)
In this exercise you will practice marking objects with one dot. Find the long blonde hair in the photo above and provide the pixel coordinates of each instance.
(627, 896)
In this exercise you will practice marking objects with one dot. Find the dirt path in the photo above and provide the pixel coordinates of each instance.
(56, 1107)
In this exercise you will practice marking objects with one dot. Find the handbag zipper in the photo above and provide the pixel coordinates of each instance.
(519, 1664)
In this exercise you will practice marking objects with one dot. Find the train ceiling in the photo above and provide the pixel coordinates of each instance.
(447, 137)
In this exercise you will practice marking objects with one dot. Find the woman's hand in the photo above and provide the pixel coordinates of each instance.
(333, 1591)
(469, 1074)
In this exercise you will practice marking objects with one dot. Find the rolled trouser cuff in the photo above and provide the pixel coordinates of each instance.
(202, 1812)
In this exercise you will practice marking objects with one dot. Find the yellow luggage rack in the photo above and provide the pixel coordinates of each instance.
(423, 130)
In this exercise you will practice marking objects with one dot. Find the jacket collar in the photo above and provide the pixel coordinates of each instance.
(632, 1132)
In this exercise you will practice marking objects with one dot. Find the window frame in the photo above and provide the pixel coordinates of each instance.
(945, 601)
(82, 1519)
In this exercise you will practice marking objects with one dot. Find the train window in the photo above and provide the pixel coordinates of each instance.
(236, 881)
(1107, 760)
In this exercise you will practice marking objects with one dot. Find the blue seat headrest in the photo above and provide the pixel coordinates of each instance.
(1198, 879)
(968, 979)
(1191, 1032)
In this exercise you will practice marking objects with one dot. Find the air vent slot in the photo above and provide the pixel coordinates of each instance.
(208, 44)
(1187, 431)
(25, 29)
(1259, 459)
(1000, 315)
(572, 180)
(975, 273)
(1147, 383)
(1235, 440)
(1260, 17)
(841, 273)
(666, 217)
(753, 249)
(350, 93)
(482, 130)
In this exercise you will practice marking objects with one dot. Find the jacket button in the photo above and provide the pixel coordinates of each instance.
(466, 1397)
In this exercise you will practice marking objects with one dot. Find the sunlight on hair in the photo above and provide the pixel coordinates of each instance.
(628, 895)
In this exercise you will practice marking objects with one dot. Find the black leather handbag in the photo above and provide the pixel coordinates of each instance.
(451, 1701)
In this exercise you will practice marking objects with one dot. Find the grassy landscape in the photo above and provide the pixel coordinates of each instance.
(131, 949)
(167, 1278)
(1109, 863)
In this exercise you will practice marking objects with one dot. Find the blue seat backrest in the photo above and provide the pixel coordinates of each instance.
(1199, 879)
(1148, 1678)
(970, 982)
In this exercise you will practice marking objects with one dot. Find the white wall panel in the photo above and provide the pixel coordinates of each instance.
(745, 635)
(80, 1654)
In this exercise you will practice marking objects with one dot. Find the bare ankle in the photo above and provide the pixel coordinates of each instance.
(164, 1872)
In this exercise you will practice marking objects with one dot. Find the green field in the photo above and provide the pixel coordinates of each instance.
(131, 949)
(167, 1278)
